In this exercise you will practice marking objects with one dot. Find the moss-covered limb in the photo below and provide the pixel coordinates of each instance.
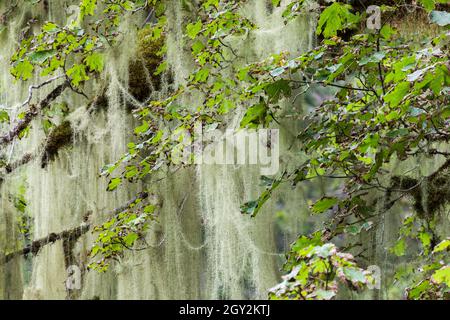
(140, 196)
(37, 245)
(26, 158)
(59, 137)
(32, 112)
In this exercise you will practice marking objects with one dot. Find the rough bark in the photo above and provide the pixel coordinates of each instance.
(35, 246)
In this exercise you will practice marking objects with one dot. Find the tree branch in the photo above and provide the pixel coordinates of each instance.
(35, 87)
(32, 113)
(36, 245)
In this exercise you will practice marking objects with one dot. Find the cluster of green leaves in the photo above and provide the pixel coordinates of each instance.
(121, 231)
(433, 277)
(166, 128)
(75, 48)
(390, 101)
(157, 145)
(24, 220)
(430, 275)
(252, 207)
(316, 269)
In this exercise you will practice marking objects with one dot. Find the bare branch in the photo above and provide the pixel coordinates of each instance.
(35, 87)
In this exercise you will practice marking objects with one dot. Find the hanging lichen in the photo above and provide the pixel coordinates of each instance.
(429, 194)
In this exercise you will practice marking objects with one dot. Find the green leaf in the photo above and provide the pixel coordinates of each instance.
(193, 29)
(250, 208)
(428, 4)
(50, 27)
(334, 18)
(201, 75)
(142, 128)
(4, 116)
(42, 56)
(276, 3)
(375, 58)
(396, 96)
(87, 7)
(255, 116)
(78, 74)
(149, 208)
(399, 248)
(23, 70)
(425, 239)
(277, 71)
(387, 32)
(114, 183)
(445, 114)
(324, 204)
(304, 241)
(253, 207)
(325, 251)
(197, 47)
(161, 68)
(442, 276)
(278, 89)
(416, 292)
(130, 238)
(94, 251)
(441, 18)
(46, 125)
(95, 62)
(131, 171)
(24, 132)
(443, 245)
(325, 294)
(226, 106)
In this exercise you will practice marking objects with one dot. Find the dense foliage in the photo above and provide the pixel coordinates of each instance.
(390, 103)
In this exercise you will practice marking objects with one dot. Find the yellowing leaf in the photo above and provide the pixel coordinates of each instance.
(443, 245)
(114, 183)
(23, 70)
(442, 276)
(87, 7)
